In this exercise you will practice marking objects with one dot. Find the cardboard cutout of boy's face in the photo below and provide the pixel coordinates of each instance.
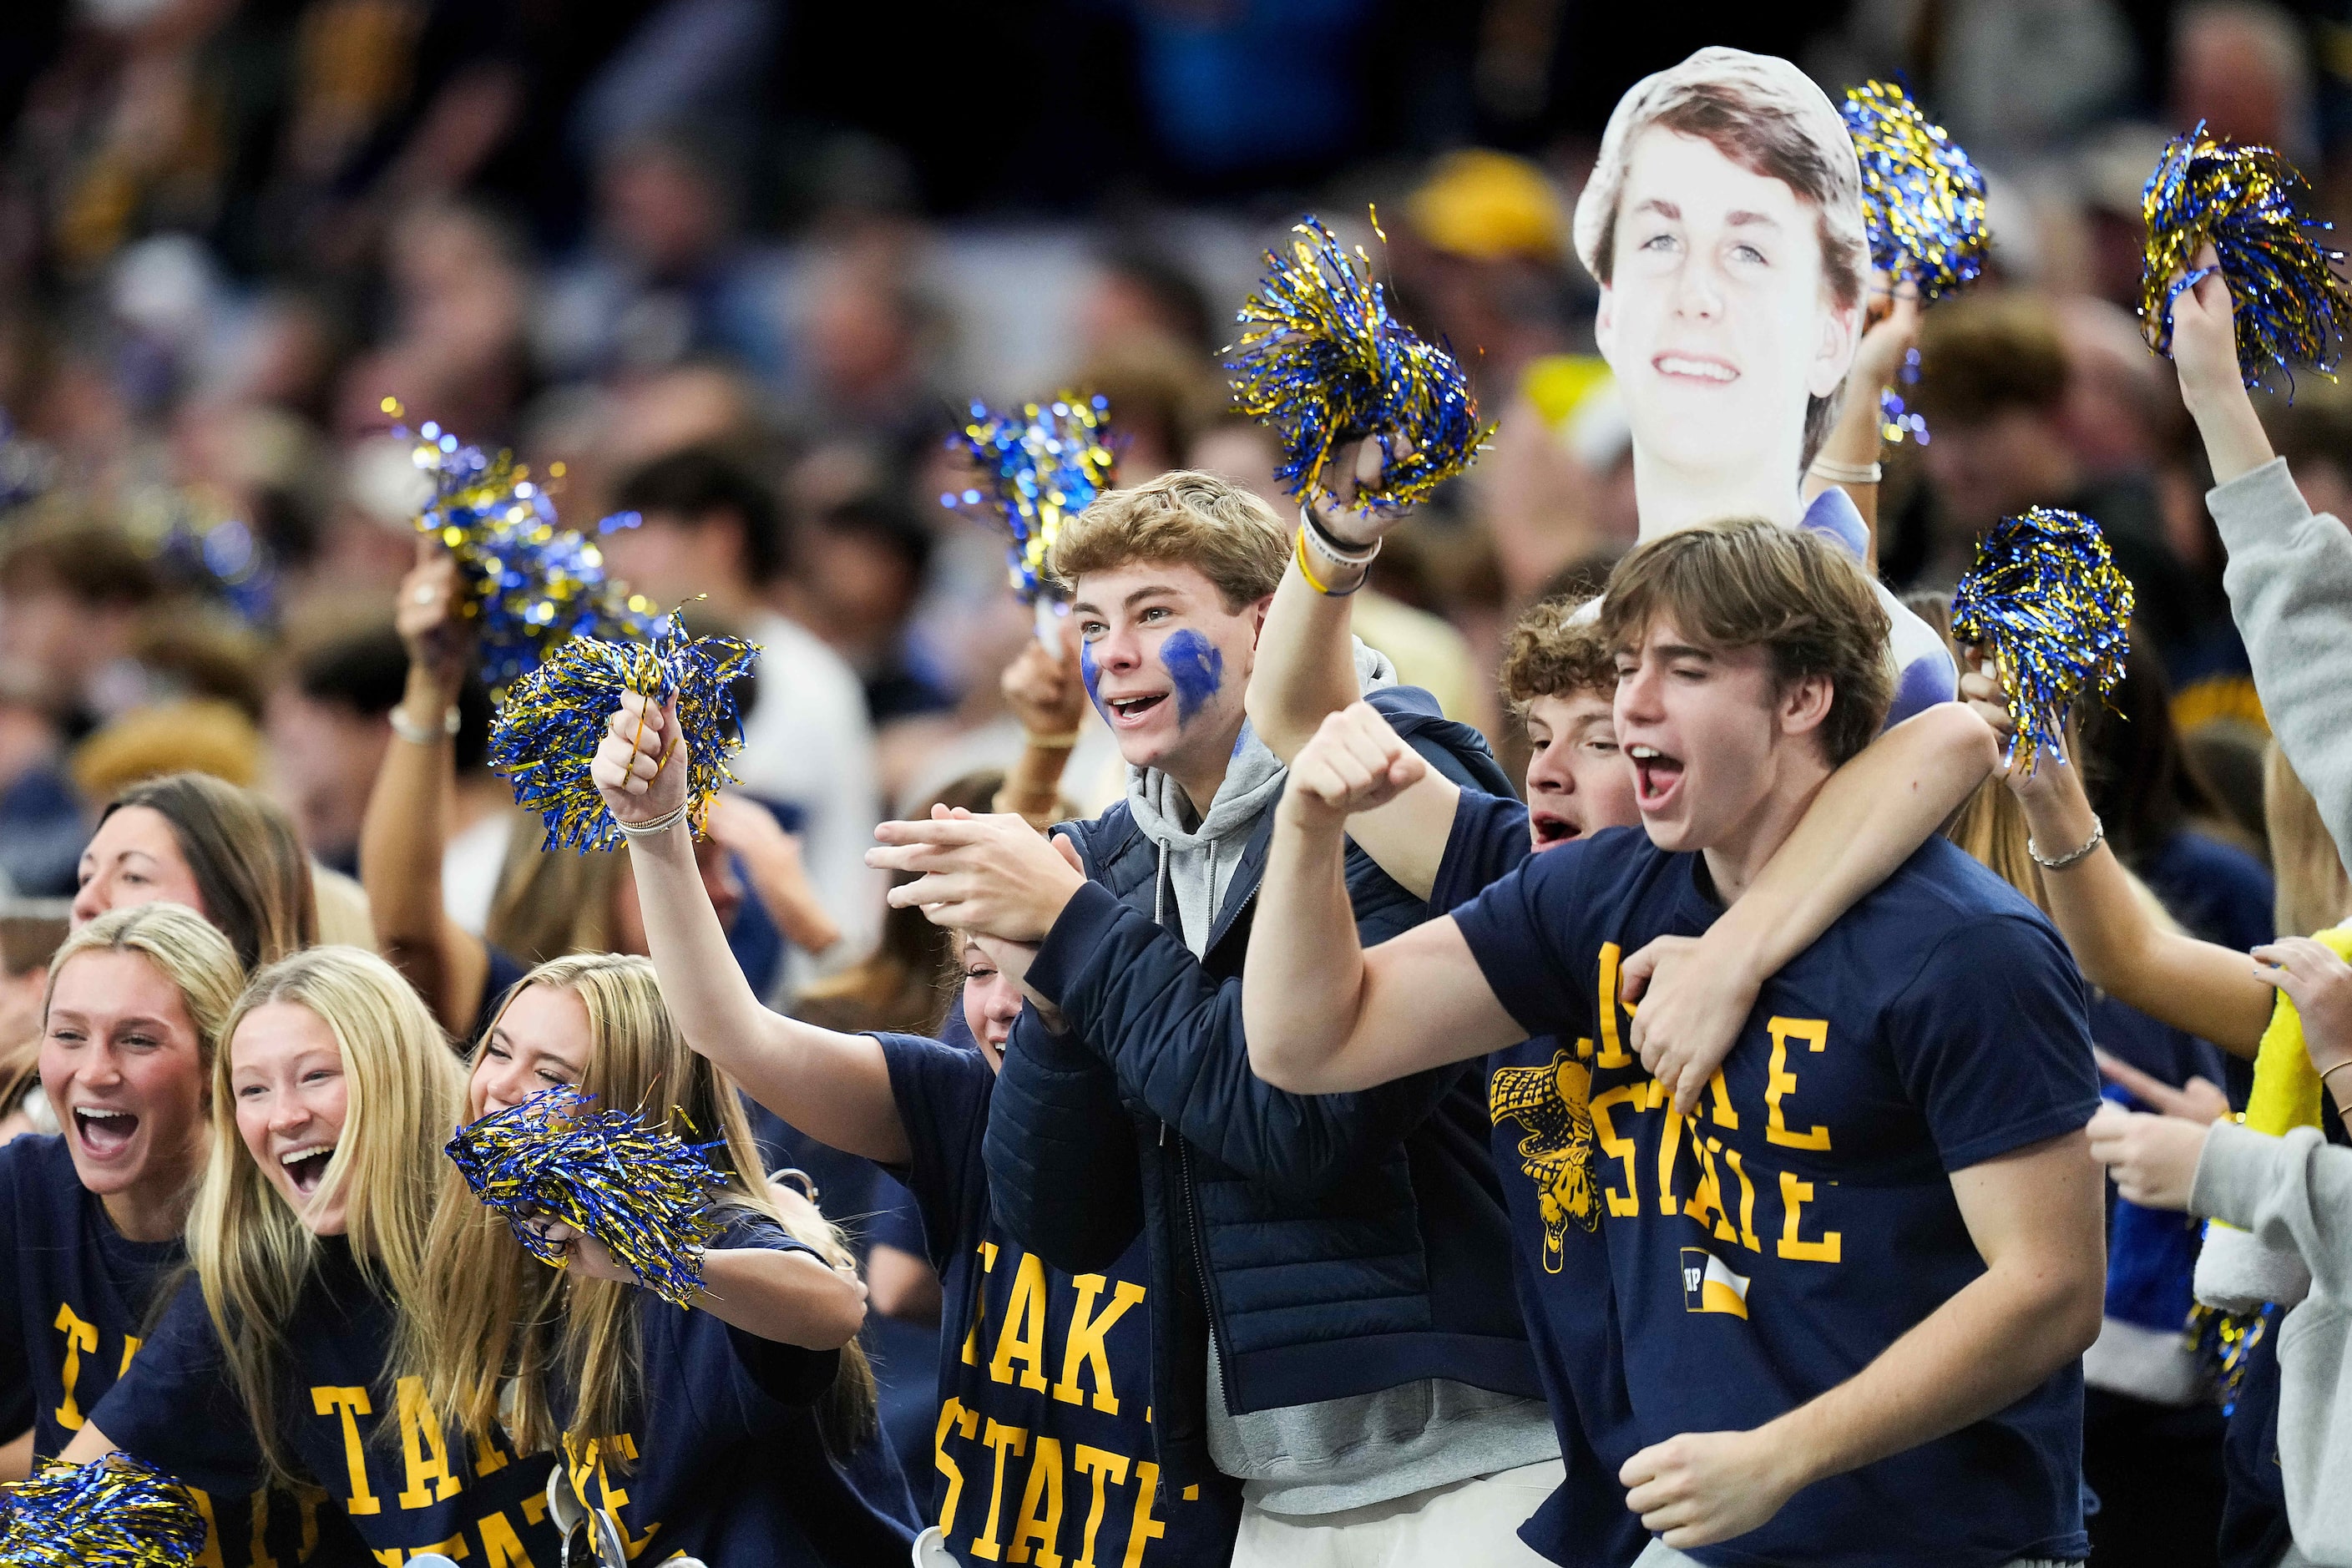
(1717, 321)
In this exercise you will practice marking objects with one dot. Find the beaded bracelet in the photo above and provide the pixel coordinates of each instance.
(2098, 836)
(657, 827)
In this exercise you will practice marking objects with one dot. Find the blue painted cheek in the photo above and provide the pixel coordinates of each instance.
(1091, 675)
(1194, 667)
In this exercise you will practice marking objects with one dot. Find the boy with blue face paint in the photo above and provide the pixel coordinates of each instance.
(1333, 1319)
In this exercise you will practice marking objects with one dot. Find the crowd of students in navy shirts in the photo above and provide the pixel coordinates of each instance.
(1336, 1151)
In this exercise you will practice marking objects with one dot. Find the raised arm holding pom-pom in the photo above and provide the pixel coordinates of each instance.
(835, 1087)
(2289, 575)
(2197, 986)
(1857, 439)
(406, 826)
(2205, 353)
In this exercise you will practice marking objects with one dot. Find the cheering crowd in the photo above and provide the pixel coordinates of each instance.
(1745, 1093)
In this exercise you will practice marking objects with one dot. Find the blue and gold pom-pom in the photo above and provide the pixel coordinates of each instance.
(1043, 464)
(554, 717)
(529, 584)
(2293, 305)
(2046, 596)
(643, 1192)
(1921, 197)
(2223, 1343)
(114, 1512)
(1324, 364)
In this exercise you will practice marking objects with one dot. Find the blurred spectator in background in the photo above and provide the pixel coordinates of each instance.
(456, 348)
(668, 276)
(706, 525)
(42, 825)
(1995, 382)
(327, 731)
(862, 563)
(865, 336)
(203, 736)
(1159, 393)
(2244, 67)
(31, 931)
(1139, 294)
(74, 598)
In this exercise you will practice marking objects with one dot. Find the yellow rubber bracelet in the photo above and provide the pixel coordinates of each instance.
(1298, 549)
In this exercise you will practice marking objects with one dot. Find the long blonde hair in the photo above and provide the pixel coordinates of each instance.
(2314, 892)
(494, 1313)
(251, 1250)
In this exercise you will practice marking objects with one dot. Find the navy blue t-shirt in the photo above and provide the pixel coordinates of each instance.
(1542, 1137)
(82, 1295)
(404, 1491)
(1043, 1443)
(1773, 1243)
(77, 1317)
(724, 1463)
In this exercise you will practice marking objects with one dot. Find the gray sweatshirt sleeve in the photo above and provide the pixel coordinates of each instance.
(2291, 1192)
(2290, 585)
(2297, 1191)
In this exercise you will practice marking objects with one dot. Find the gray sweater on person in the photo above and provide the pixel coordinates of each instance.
(2297, 1191)
(2290, 585)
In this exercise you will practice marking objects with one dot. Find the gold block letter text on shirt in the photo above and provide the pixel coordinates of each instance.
(1108, 1470)
(1008, 1441)
(351, 1403)
(1794, 1196)
(82, 1339)
(1044, 1486)
(1085, 1343)
(424, 1447)
(1614, 1053)
(1782, 1083)
(1023, 1338)
(954, 1417)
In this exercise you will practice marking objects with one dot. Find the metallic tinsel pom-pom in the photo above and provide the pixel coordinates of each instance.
(1324, 364)
(114, 1512)
(1044, 464)
(2292, 304)
(641, 1191)
(554, 717)
(529, 584)
(2046, 597)
(1923, 197)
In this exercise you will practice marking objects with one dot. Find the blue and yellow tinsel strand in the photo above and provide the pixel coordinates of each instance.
(1922, 198)
(529, 583)
(1043, 464)
(113, 1513)
(1324, 364)
(547, 733)
(643, 1192)
(2292, 303)
(2046, 598)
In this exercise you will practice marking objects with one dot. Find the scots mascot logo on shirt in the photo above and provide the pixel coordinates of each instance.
(1550, 1103)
